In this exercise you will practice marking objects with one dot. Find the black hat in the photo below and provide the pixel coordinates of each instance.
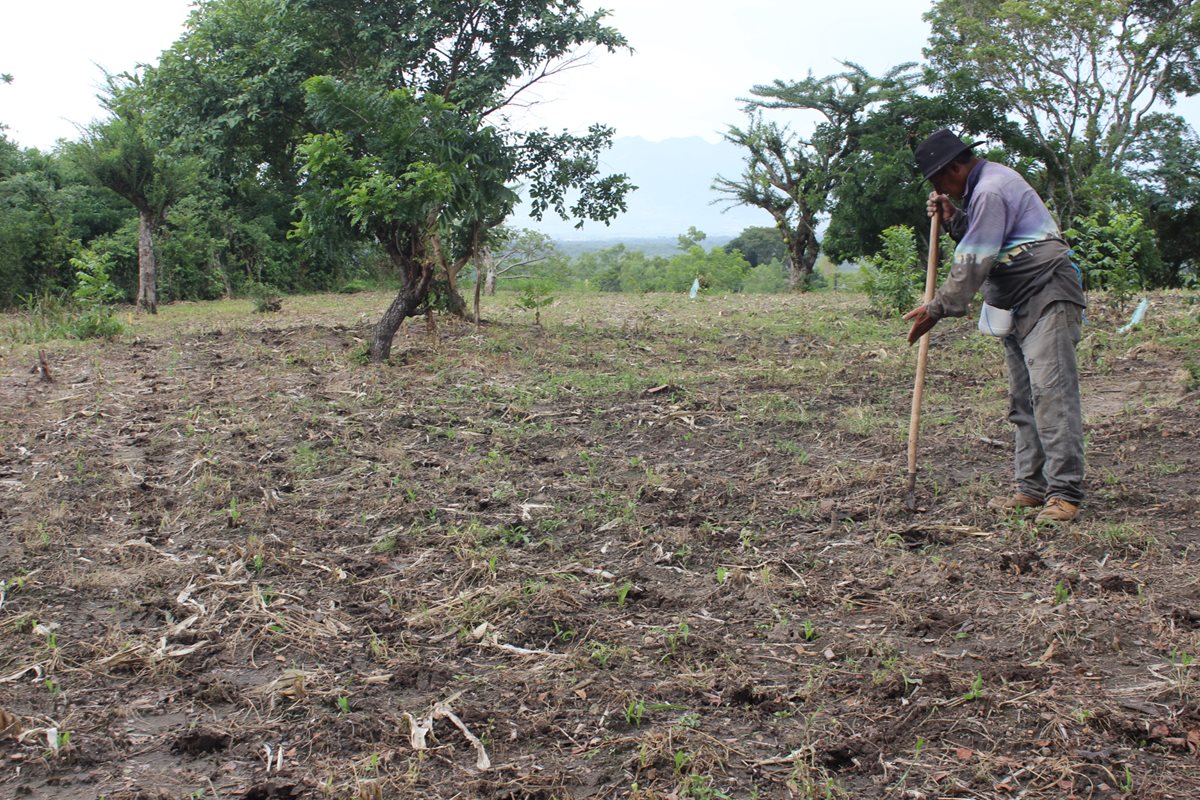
(938, 150)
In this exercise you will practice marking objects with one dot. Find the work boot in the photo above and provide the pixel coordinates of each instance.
(1058, 510)
(1013, 502)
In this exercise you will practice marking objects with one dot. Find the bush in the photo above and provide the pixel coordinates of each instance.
(1113, 248)
(94, 292)
(84, 314)
(266, 298)
(892, 278)
(769, 277)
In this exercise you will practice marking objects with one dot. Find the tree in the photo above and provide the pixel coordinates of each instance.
(121, 154)
(1166, 167)
(415, 152)
(879, 186)
(758, 245)
(1084, 77)
(47, 210)
(512, 252)
(793, 177)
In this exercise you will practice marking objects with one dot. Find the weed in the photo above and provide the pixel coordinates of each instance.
(976, 690)
(699, 787)
(384, 544)
(635, 712)
(678, 637)
(562, 634)
(1061, 593)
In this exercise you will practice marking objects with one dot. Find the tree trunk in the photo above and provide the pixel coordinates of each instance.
(488, 265)
(416, 267)
(417, 279)
(478, 288)
(456, 304)
(147, 298)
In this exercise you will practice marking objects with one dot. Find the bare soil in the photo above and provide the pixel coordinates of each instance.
(651, 550)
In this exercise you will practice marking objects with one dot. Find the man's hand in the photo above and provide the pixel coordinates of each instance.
(941, 202)
(922, 323)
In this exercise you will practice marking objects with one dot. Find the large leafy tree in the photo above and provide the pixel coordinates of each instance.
(1084, 77)
(409, 173)
(758, 244)
(793, 176)
(880, 187)
(413, 149)
(237, 90)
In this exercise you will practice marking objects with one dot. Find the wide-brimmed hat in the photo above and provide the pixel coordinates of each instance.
(938, 150)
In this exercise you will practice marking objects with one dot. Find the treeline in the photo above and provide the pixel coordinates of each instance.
(753, 262)
(320, 144)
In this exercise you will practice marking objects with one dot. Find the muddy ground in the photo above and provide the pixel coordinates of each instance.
(649, 549)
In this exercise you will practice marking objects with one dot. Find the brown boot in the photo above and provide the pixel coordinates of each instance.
(1012, 502)
(1058, 510)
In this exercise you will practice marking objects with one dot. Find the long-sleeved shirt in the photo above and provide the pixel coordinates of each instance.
(1008, 245)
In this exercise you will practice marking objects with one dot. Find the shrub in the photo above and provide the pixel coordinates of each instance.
(94, 293)
(266, 298)
(892, 278)
(769, 277)
(1113, 247)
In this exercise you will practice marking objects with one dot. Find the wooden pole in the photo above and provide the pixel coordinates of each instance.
(914, 423)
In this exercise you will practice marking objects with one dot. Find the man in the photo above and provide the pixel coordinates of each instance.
(1010, 246)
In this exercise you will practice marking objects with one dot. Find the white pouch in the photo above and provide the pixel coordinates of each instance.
(995, 321)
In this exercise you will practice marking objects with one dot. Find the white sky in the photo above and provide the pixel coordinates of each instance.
(693, 59)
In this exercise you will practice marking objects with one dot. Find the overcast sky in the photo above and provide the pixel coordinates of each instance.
(693, 59)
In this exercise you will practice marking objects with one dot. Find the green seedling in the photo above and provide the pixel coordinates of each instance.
(635, 711)
(810, 631)
(623, 593)
(1061, 593)
(343, 704)
(562, 634)
(601, 653)
(976, 690)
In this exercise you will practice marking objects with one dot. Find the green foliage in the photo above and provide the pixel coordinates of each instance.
(535, 295)
(893, 278)
(46, 211)
(1109, 245)
(758, 245)
(769, 277)
(85, 314)
(793, 178)
(1081, 76)
(266, 298)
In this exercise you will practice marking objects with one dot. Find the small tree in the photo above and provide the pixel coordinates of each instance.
(121, 154)
(793, 177)
(1108, 246)
(892, 278)
(535, 295)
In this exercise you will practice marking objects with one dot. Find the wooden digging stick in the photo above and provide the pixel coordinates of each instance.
(914, 423)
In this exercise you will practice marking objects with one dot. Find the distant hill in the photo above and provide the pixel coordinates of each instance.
(674, 179)
(654, 246)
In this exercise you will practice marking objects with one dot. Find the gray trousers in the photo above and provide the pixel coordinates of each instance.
(1043, 388)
